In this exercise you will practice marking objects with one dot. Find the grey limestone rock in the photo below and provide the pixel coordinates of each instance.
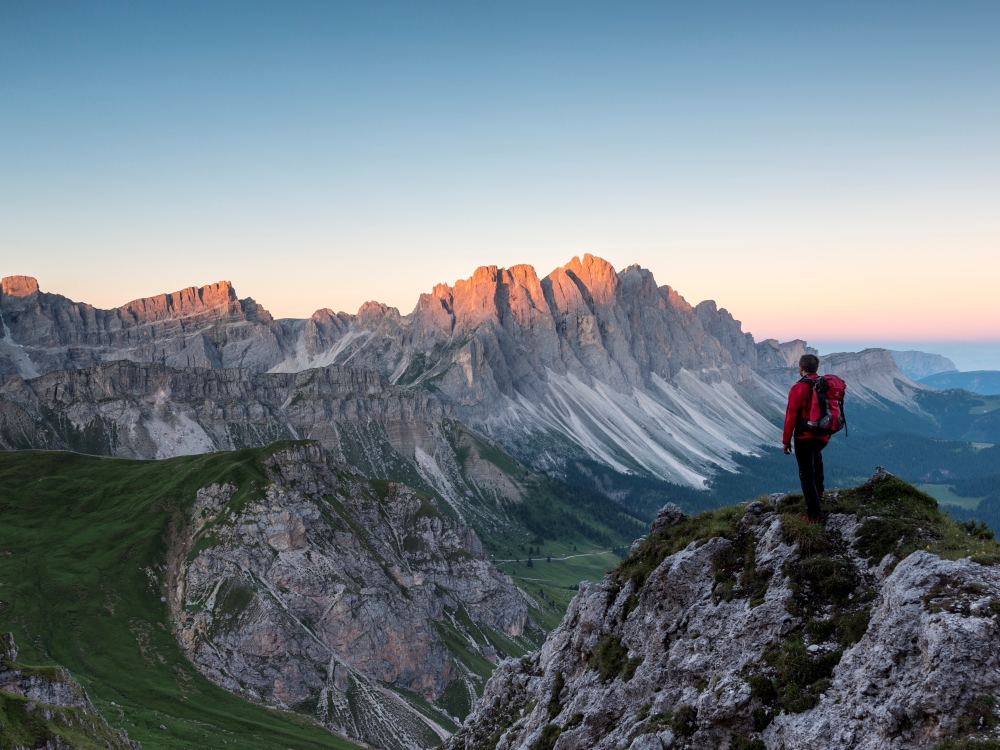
(666, 517)
(138, 410)
(678, 656)
(585, 361)
(328, 591)
(195, 327)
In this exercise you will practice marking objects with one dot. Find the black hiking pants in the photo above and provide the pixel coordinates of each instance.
(809, 456)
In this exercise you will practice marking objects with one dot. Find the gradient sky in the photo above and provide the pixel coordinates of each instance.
(323, 154)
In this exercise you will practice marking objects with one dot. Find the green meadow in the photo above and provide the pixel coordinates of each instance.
(553, 584)
(82, 550)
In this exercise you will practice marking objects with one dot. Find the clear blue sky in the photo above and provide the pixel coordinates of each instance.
(322, 154)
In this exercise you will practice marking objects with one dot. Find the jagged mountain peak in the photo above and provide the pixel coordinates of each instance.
(218, 300)
(594, 279)
(206, 326)
(18, 286)
(218, 296)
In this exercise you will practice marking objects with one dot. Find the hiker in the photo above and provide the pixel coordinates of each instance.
(815, 411)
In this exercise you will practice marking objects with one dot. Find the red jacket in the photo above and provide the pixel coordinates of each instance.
(799, 399)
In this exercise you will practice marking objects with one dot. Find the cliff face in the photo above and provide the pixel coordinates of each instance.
(137, 410)
(584, 361)
(195, 327)
(152, 411)
(919, 365)
(348, 599)
(745, 628)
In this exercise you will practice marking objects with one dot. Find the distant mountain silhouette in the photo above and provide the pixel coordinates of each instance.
(983, 382)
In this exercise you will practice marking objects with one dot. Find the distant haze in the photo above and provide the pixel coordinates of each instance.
(967, 355)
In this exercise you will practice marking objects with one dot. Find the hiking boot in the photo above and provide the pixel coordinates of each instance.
(809, 519)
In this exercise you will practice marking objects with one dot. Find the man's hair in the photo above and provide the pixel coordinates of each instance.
(809, 362)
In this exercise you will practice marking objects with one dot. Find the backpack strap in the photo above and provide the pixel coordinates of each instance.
(802, 423)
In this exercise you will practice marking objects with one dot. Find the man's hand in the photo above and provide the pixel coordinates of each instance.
(787, 447)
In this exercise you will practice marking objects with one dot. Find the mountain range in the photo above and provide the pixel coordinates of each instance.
(983, 382)
(583, 363)
(919, 365)
(336, 516)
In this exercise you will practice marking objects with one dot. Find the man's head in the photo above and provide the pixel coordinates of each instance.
(808, 363)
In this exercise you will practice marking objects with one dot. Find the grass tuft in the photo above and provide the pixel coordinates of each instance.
(685, 721)
(977, 719)
(610, 660)
(660, 545)
(547, 739)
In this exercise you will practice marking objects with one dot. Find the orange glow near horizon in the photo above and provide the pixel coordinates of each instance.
(886, 302)
(905, 281)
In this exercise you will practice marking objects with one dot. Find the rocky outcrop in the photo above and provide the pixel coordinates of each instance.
(358, 602)
(747, 628)
(46, 707)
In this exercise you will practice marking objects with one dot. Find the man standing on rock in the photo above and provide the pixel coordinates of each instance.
(808, 446)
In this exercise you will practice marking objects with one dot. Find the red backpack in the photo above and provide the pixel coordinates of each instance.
(826, 409)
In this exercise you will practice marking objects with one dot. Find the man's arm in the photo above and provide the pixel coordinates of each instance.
(792, 414)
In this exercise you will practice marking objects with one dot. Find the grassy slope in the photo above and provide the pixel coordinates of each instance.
(81, 542)
(22, 728)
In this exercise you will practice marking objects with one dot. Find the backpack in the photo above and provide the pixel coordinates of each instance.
(826, 408)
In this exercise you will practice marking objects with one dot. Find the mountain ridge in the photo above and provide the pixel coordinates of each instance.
(919, 365)
(585, 362)
(982, 382)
